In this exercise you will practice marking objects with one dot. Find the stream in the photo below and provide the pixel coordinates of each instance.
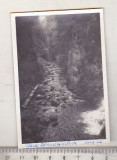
(53, 113)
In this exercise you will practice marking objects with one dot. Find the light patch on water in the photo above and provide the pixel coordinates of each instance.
(94, 120)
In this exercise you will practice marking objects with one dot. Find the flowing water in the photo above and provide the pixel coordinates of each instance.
(94, 120)
(53, 113)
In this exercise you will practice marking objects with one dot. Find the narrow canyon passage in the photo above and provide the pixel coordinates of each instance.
(53, 113)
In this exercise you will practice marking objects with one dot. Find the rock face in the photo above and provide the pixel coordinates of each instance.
(53, 113)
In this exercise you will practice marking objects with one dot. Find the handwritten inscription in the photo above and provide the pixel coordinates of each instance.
(31, 145)
(51, 144)
(56, 144)
(92, 142)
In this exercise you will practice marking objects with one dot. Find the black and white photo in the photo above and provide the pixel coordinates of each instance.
(60, 76)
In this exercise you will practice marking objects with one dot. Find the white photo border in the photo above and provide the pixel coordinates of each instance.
(77, 143)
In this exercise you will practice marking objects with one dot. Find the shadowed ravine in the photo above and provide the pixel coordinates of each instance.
(53, 113)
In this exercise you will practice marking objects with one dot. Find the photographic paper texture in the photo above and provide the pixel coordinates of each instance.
(60, 78)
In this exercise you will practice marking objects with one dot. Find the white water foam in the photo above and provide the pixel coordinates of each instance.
(94, 120)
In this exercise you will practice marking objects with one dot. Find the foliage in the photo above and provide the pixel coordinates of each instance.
(72, 41)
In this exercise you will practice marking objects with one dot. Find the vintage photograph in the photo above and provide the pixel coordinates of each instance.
(60, 76)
